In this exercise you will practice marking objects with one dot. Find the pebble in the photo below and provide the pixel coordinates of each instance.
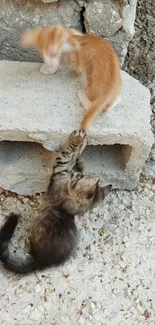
(37, 288)
(35, 315)
(41, 308)
(92, 306)
(140, 309)
(82, 234)
(27, 309)
(47, 305)
(6, 317)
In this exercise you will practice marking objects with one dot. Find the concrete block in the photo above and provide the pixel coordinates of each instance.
(45, 109)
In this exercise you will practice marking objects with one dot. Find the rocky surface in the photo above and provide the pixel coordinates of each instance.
(111, 279)
(111, 19)
(151, 159)
(140, 60)
(152, 91)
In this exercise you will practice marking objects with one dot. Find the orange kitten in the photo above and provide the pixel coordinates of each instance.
(50, 42)
(91, 56)
(97, 62)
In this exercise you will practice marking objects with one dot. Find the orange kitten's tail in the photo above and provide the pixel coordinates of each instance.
(96, 108)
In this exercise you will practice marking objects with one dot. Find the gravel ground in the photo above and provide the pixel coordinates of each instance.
(111, 281)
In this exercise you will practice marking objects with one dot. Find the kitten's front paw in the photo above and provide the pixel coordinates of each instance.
(45, 69)
(78, 138)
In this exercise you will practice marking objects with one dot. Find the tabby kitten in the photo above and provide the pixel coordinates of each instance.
(53, 234)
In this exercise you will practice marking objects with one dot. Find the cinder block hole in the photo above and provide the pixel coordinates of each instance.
(30, 157)
(25, 167)
(106, 158)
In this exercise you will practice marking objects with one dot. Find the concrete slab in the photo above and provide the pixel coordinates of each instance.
(45, 109)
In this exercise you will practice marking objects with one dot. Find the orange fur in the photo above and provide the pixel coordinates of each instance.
(97, 61)
(91, 56)
(49, 42)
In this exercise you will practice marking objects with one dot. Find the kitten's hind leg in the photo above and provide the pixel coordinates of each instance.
(84, 101)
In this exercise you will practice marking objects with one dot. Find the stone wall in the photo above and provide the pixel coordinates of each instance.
(140, 61)
(111, 19)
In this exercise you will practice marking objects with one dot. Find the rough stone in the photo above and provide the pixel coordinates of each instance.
(94, 14)
(112, 19)
(45, 109)
(140, 60)
(150, 165)
(48, 1)
(153, 126)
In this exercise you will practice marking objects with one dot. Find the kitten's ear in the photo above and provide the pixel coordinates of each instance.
(105, 190)
(92, 191)
(29, 37)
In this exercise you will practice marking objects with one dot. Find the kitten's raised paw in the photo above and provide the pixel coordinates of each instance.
(78, 138)
(45, 69)
(78, 134)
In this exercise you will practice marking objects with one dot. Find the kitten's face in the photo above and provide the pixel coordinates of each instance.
(48, 41)
(83, 198)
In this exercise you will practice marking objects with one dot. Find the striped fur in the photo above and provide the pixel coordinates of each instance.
(53, 234)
